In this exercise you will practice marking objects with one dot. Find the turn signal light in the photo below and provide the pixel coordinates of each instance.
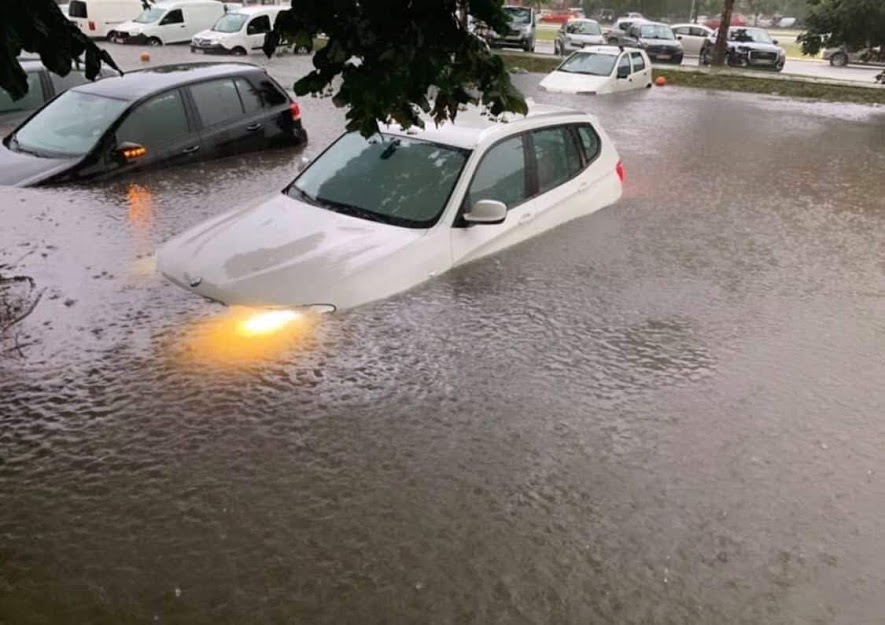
(134, 152)
(295, 110)
(622, 174)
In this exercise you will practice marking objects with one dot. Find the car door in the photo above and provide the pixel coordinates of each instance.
(163, 127)
(556, 160)
(267, 114)
(641, 74)
(256, 29)
(622, 67)
(172, 28)
(502, 175)
(226, 129)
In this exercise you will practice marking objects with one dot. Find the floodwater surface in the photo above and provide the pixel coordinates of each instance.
(671, 411)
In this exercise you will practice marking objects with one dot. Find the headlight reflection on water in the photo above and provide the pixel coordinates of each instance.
(242, 336)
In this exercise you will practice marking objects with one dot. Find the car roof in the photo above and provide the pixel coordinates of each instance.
(257, 9)
(608, 50)
(581, 19)
(473, 126)
(140, 83)
(165, 4)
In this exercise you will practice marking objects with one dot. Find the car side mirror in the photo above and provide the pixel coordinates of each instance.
(487, 212)
(131, 151)
(303, 162)
(623, 73)
(774, 41)
(679, 37)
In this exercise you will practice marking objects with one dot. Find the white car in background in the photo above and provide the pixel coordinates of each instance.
(598, 70)
(239, 32)
(692, 36)
(369, 218)
(575, 34)
(162, 23)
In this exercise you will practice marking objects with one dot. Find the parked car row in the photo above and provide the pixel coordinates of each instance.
(747, 47)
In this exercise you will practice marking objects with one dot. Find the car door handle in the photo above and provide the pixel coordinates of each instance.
(190, 150)
(526, 218)
(253, 127)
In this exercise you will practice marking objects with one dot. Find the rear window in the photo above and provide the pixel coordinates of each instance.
(31, 101)
(77, 8)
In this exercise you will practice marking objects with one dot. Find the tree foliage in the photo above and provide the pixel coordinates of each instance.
(852, 23)
(39, 27)
(389, 60)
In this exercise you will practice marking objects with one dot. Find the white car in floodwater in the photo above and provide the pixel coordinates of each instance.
(600, 69)
(369, 218)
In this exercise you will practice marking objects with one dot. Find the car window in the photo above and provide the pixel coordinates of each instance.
(682, 30)
(638, 61)
(556, 155)
(77, 8)
(173, 17)
(395, 180)
(624, 62)
(31, 101)
(217, 101)
(258, 25)
(63, 83)
(251, 97)
(501, 175)
(590, 142)
(699, 32)
(155, 123)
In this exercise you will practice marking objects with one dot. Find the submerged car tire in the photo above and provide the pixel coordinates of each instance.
(839, 59)
(153, 41)
(704, 58)
(238, 51)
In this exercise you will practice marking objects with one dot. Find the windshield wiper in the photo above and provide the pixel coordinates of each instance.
(390, 149)
(349, 209)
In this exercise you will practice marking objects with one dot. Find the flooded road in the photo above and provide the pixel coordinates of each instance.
(672, 411)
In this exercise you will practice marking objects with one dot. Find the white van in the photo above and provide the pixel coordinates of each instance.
(238, 32)
(96, 18)
(173, 21)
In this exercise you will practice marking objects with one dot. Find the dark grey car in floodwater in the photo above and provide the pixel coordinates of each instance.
(153, 118)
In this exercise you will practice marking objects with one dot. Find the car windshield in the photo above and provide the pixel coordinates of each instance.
(751, 35)
(589, 63)
(584, 28)
(70, 125)
(394, 180)
(230, 23)
(519, 15)
(655, 31)
(149, 15)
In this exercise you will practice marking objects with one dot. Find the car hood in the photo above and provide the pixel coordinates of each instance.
(564, 82)
(24, 170)
(279, 251)
(753, 45)
(589, 39)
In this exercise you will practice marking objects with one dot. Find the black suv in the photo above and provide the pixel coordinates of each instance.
(152, 118)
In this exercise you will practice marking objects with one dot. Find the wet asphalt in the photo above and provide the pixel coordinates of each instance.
(671, 411)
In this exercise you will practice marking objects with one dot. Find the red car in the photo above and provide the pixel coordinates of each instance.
(556, 17)
(736, 20)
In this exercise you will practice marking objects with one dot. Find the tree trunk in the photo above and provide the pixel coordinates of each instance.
(722, 39)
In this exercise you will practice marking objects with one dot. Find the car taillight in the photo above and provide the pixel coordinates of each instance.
(295, 110)
(622, 174)
(91, 25)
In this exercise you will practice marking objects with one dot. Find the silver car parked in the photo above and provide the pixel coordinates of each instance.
(575, 34)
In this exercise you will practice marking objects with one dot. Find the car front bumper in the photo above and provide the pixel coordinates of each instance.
(127, 39)
(665, 55)
(215, 48)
